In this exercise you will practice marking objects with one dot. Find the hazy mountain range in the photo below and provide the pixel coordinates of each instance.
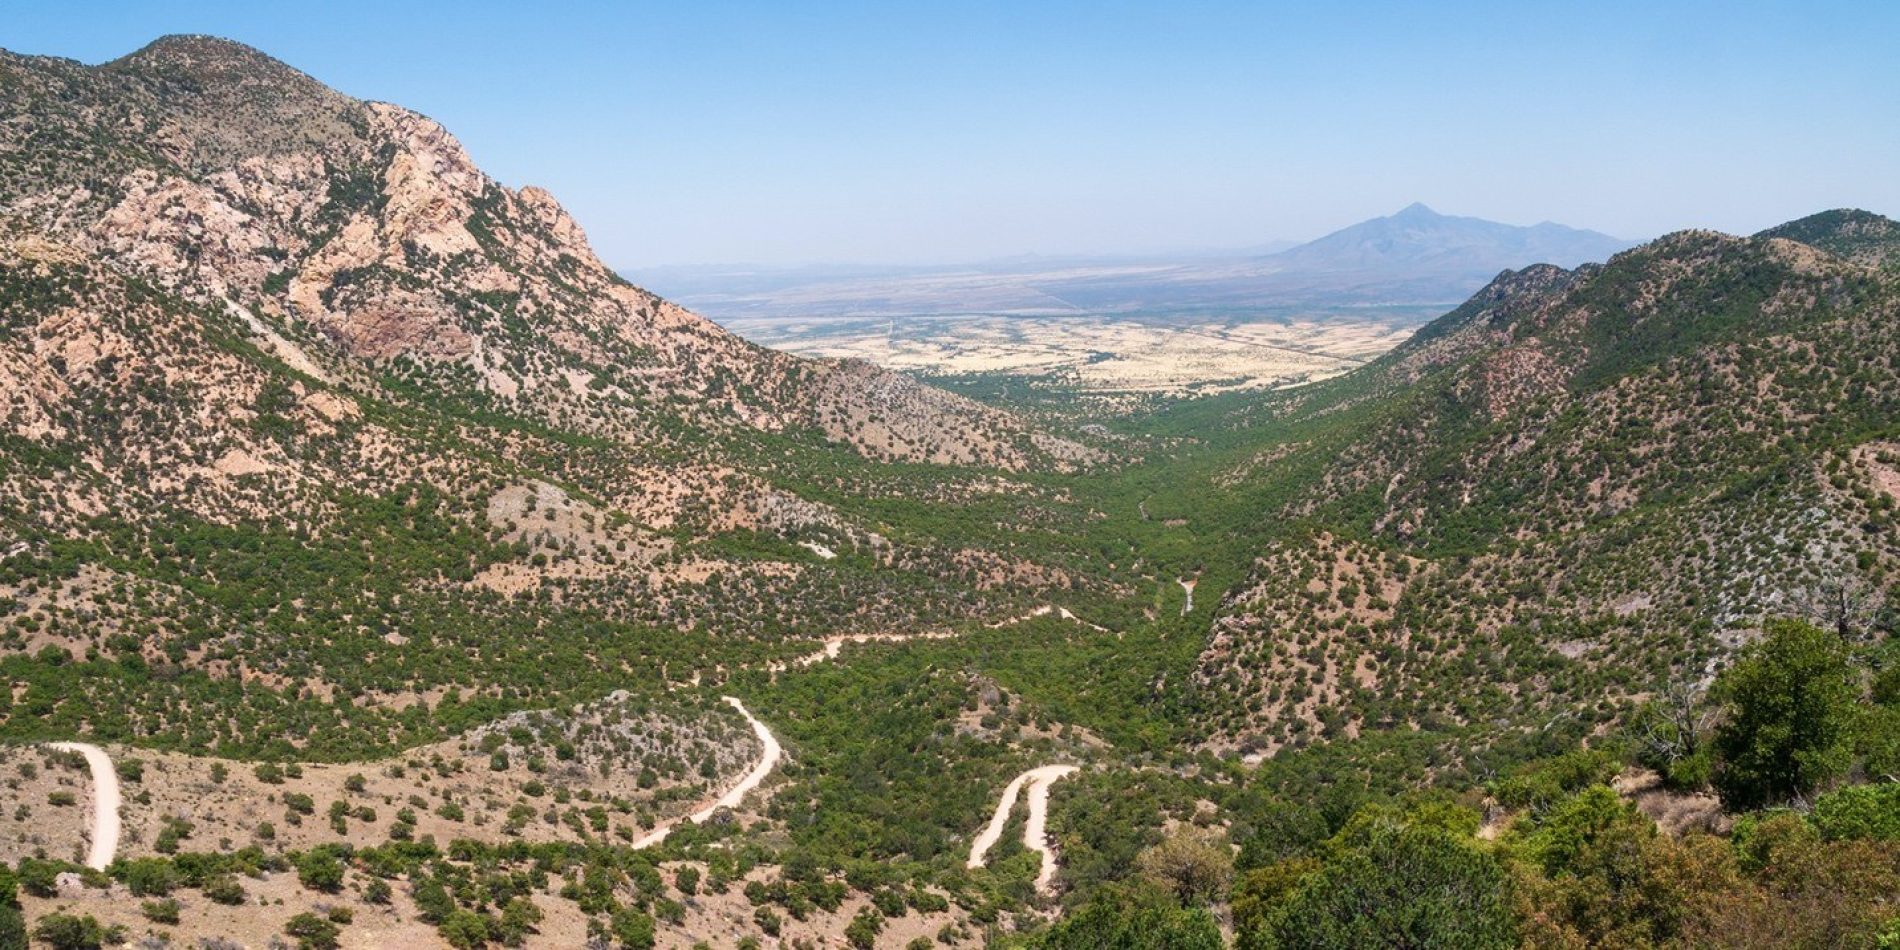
(1416, 256)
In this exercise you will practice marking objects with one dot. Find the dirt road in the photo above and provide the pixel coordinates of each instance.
(105, 802)
(769, 754)
(1035, 831)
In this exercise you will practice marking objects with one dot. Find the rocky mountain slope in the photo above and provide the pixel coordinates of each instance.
(1578, 487)
(295, 399)
(362, 234)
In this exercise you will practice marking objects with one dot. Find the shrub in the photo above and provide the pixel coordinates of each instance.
(518, 919)
(1859, 811)
(928, 902)
(160, 911)
(12, 927)
(1259, 895)
(313, 932)
(378, 891)
(633, 928)
(224, 889)
(147, 877)
(1276, 830)
(464, 929)
(1194, 868)
(320, 869)
(67, 932)
(40, 877)
(1554, 840)
(862, 932)
(1541, 784)
(1140, 916)
(433, 902)
(1417, 886)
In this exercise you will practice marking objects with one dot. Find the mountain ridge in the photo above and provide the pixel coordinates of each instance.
(1573, 462)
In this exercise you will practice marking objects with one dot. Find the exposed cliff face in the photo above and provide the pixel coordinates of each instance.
(365, 232)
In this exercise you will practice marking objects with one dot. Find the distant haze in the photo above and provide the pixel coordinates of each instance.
(916, 133)
(1415, 257)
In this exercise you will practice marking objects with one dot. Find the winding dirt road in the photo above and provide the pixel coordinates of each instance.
(1035, 830)
(768, 760)
(106, 794)
(105, 802)
(834, 645)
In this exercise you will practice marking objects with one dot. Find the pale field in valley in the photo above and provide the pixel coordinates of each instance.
(1109, 354)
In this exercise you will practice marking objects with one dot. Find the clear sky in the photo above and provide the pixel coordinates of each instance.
(782, 132)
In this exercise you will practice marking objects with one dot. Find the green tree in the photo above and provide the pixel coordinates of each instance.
(1410, 887)
(1139, 917)
(1790, 701)
(1603, 875)
(1259, 895)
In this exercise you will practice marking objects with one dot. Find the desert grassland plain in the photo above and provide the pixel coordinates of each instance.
(1100, 353)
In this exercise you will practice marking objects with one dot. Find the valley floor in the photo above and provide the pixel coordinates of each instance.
(1100, 354)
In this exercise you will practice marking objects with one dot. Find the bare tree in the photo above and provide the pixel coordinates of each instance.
(1845, 604)
(1677, 721)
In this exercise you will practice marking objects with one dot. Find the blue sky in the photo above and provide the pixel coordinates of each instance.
(703, 132)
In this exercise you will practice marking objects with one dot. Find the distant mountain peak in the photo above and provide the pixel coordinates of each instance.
(1462, 251)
